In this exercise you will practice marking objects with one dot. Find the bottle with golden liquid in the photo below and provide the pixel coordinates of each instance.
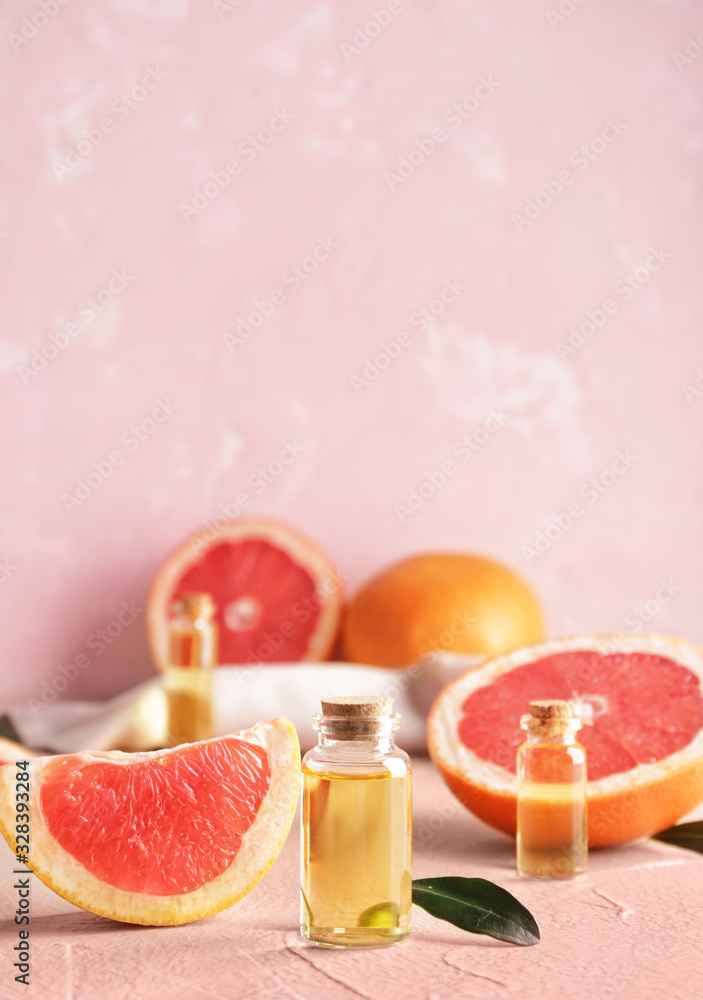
(190, 672)
(552, 836)
(356, 828)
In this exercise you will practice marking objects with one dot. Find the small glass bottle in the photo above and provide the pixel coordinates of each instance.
(189, 676)
(356, 869)
(552, 835)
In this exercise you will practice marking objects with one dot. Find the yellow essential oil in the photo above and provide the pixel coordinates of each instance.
(356, 869)
(190, 671)
(552, 833)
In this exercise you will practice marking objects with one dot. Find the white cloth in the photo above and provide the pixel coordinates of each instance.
(136, 719)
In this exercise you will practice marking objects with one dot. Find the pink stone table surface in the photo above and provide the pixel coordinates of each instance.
(631, 929)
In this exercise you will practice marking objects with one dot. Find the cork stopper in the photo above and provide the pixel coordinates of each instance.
(552, 710)
(195, 605)
(357, 706)
(353, 716)
(551, 717)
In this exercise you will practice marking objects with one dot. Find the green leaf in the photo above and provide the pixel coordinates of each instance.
(478, 906)
(689, 835)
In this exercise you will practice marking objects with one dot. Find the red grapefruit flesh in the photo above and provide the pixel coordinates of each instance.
(164, 837)
(642, 704)
(154, 806)
(277, 593)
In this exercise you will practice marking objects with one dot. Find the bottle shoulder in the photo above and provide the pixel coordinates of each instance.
(573, 749)
(539, 762)
(356, 758)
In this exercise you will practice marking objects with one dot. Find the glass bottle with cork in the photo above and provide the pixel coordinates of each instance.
(552, 836)
(192, 657)
(356, 869)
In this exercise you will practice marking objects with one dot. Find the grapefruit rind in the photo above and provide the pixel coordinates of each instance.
(440, 602)
(623, 806)
(11, 751)
(299, 547)
(260, 845)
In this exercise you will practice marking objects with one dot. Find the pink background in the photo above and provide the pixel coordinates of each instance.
(219, 76)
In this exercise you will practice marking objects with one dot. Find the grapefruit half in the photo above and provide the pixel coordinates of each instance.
(641, 700)
(164, 837)
(277, 593)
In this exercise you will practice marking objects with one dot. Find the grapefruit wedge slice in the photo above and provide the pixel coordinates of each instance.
(277, 593)
(165, 837)
(641, 699)
(10, 751)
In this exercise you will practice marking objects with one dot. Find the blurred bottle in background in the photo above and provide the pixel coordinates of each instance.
(190, 672)
(552, 827)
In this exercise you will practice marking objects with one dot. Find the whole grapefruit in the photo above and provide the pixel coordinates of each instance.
(641, 700)
(440, 601)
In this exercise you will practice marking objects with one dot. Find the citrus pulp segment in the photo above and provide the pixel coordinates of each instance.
(277, 593)
(164, 837)
(641, 701)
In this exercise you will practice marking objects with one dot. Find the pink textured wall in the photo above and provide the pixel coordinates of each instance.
(513, 169)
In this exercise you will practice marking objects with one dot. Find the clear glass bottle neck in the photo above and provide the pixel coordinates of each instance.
(192, 643)
(562, 740)
(376, 732)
